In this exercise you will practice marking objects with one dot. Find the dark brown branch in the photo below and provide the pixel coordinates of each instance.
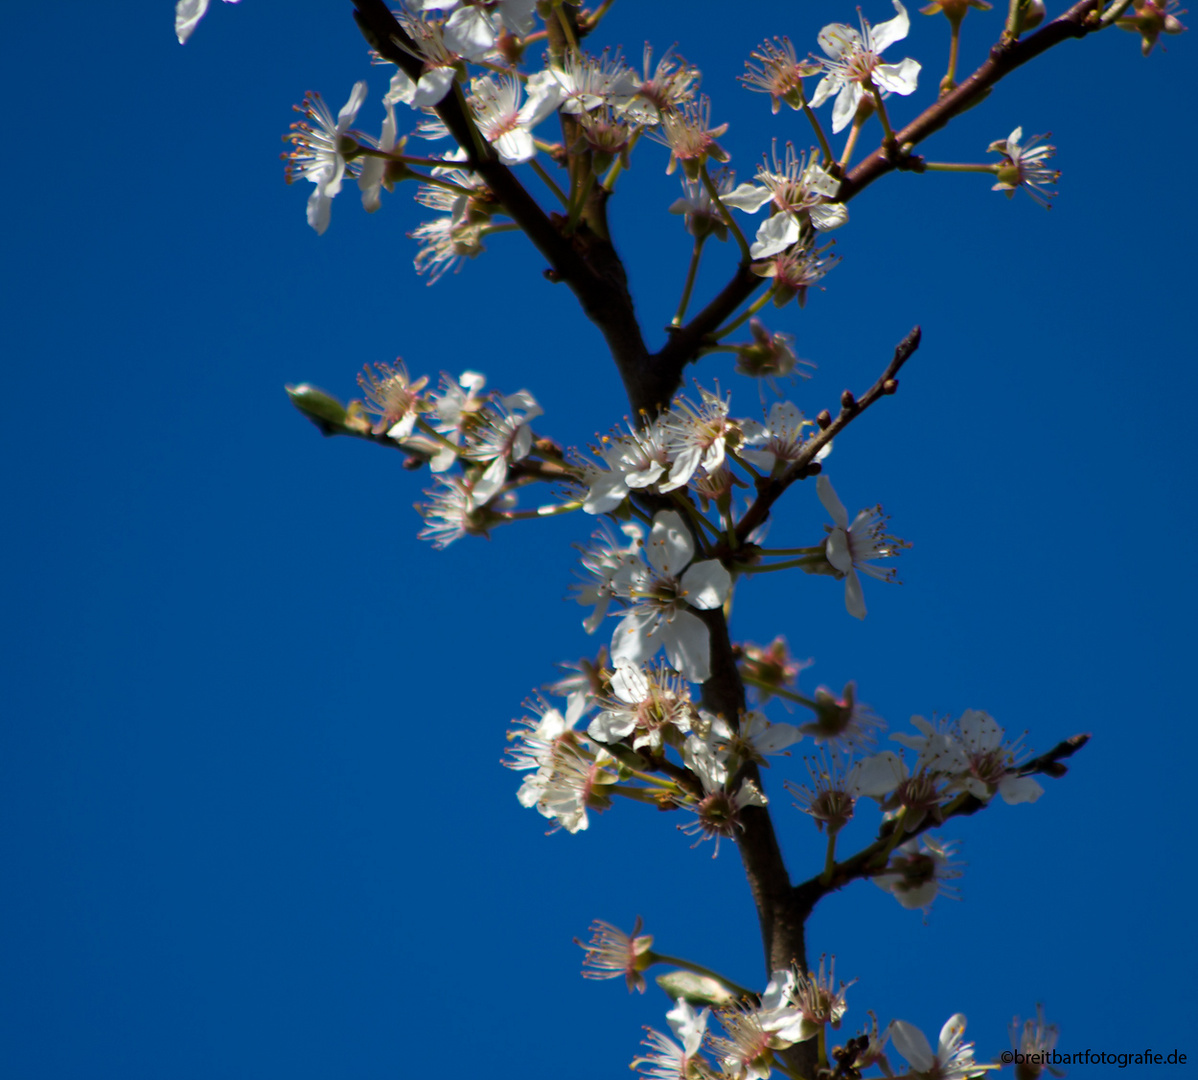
(1005, 57)
(588, 264)
(684, 345)
(769, 489)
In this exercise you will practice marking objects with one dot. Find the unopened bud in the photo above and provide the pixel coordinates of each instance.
(697, 989)
(1033, 14)
(321, 408)
(824, 419)
(847, 401)
(890, 386)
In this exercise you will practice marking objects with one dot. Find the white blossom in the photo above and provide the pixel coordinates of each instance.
(660, 594)
(953, 1059)
(855, 62)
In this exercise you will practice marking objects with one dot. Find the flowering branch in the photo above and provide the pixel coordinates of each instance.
(588, 264)
(684, 345)
(872, 860)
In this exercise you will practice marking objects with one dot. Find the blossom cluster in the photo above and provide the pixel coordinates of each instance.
(794, 1007)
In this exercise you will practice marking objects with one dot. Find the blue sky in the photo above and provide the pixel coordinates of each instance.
(254, 822)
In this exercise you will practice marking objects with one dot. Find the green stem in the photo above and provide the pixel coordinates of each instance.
(948, 166)
(793, 551)
(549, 510)
(746, 315)
(580, 202)
(829, 863)
(692, 270)
(880, 109)
(609, 180)
(789, 564)
(567, 29)
(550, 183)
(649, 778)
(851, 144)
(725, 213)
(790, 695)
(949, 81)
(825, 148)
(501, 227)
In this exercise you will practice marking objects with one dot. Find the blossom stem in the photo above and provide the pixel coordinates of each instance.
(567, 29)
(725, 213)
(789, 564)
(851, 144)
(896, 837)
(790, 695)
(746, 315)
(503, 226)
(618, 165)
(692, 270)
(826, 876)
(818, 128)
(880, 108)
(657, 782)
(550, 183)
(954, 44)
(815, 550)
(549, 510)
(950, 166)
(699, 969)
(598, 14)
(428, 430)
(580, 200)
(823, 1046)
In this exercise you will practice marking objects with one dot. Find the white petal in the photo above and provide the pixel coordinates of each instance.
(954, 1026)
(517, 15)
(901, 79)
(434, 84)
(826, 87)
(888, 33)
(670, 547)
(319, 210)
(912, 1044)
(515, 146)
(631, 640)
(854, 599)
(629, 683)
(469, 32)
(836, 39)
(607, 491)
(775, 234)
(747, 197)
(827, 495)
(187, 14)
(402, 88)
(706, 584)
(349, 111)
(688, 646)
(877, 775)
(828, 216)
(1019, 789)
(846, 107)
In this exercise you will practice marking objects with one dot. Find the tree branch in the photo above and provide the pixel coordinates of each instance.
(588, 264)
(684, 345)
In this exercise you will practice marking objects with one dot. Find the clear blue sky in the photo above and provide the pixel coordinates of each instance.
(253, 819)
